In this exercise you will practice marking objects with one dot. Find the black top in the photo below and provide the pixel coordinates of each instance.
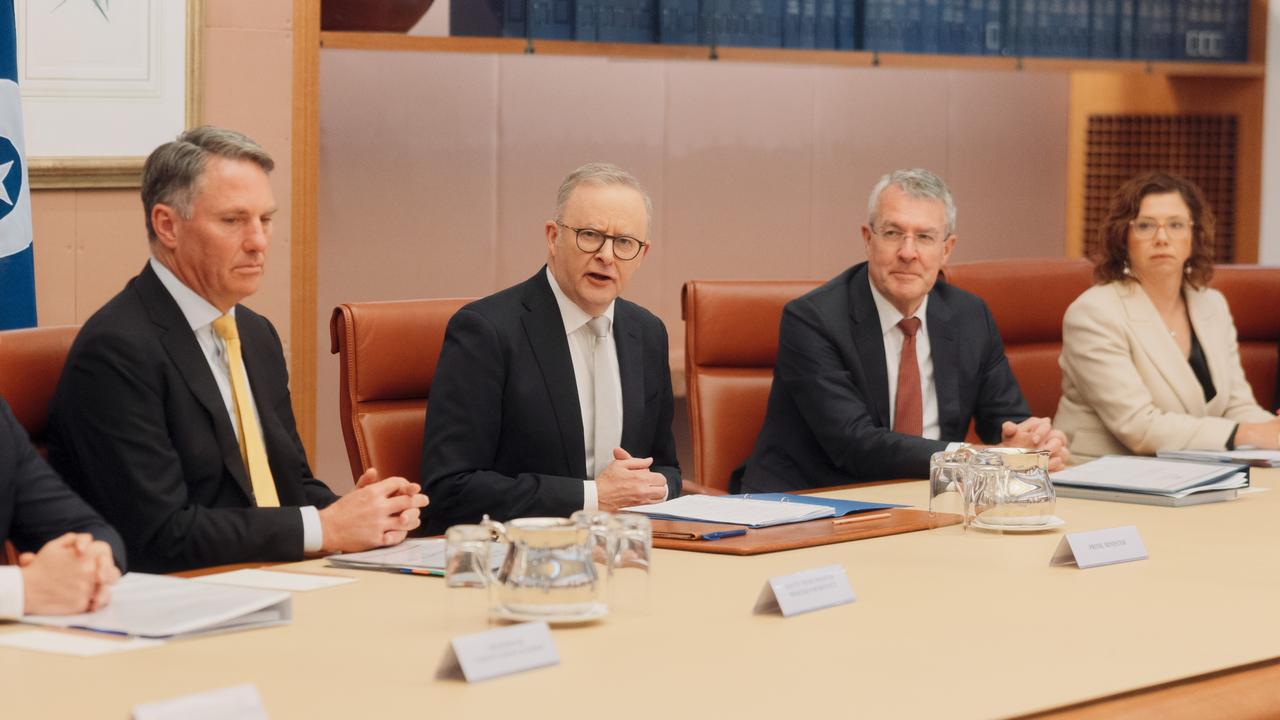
(1200, 366)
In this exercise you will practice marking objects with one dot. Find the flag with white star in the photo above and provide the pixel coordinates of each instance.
(17, 269)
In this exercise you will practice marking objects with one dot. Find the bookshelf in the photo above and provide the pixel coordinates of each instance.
(838, 58)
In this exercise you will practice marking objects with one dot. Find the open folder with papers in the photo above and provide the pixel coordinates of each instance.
(158, 606)
(750, 511)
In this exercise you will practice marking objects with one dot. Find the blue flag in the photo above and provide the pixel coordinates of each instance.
(17, 269)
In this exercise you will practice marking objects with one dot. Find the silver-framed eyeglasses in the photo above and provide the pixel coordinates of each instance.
(625, 247)
(896, 237)
(1174, 228)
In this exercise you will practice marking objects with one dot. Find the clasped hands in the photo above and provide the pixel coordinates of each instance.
(628, 481)
(71, 574)
(1037, 434)
(378, 512)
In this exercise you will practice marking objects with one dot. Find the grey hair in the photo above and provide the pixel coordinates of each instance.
(917, 183)
(173, 170)
(602, 174)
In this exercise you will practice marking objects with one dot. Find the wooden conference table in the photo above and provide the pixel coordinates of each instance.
(947, 623)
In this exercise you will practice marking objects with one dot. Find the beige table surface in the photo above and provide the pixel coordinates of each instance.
(947, 623)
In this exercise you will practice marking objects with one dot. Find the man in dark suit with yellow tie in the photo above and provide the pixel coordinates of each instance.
(886, 363)
(173, 416)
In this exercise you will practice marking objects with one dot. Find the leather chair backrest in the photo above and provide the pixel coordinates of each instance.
(1252, 292)
(1028, 298)
(731, 342)
(31, 362)
(387, 358)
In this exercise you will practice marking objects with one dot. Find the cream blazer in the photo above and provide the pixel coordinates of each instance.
(1126, 387)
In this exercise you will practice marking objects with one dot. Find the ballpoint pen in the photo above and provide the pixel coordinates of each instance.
(720, 534)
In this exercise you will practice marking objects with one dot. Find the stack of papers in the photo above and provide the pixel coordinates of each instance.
(841, 507)
(1151, 481)
(734, 510)
(417, 557)
(158, 606)
(1252, 458)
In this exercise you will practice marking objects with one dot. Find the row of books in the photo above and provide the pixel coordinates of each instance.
(1205, 30)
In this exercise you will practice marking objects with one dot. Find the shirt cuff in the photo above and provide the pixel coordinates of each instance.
(312, 532)
(590, 495)
(11, 597)
(954, 446)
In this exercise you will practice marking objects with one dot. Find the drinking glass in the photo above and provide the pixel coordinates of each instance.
(600, 525)
(468, 591)
(946, 486)
(632, 538)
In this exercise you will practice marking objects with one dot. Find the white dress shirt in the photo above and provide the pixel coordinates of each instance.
(11, 596)
(200, 316)
(582, 351)
(893, 339)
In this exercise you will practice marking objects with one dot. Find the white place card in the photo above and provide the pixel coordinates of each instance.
(1100, 547)
(495, 653)
(239, 701)
(806, 591)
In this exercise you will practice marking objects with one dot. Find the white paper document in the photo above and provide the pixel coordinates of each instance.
(238, 701)
(61, 642)
(421, 557)
(733, 511)
(274, 580)
(1144, 474)
(1256, 458)
(158, 606)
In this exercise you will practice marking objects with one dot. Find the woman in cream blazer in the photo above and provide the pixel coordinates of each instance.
(1149, 356)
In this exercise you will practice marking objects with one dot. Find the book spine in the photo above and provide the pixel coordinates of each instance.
(826, 25)
(585, 19)
(848, 19)
(679, 22)
(993, 27)
(552, 19)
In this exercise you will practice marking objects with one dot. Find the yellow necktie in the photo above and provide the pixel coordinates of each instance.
(251, 448)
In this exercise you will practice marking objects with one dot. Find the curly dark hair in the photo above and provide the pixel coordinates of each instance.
(1111, 261)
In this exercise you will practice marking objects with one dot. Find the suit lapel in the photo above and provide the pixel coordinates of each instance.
(868, 340)
(626, 336)
(946, 376)
(180, 343)
(545, 329)
(1154, 340)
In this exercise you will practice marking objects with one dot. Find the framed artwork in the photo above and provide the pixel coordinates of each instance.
(104, 82)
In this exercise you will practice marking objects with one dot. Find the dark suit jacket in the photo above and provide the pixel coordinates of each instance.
(35, 505)
(828, 417)
(504, 428)
(139, 428)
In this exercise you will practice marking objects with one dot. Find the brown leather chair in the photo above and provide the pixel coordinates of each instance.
(1028, 299)
(1252, 292)
(731, 343)
(31, 361)
(388, 353)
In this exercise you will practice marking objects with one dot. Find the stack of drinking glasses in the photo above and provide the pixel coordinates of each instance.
(992, 490)
(553, 569)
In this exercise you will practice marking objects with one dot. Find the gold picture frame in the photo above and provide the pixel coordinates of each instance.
(125, 172)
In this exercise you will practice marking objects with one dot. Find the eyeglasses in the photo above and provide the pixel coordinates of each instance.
(625, 247)
(1175, 229)
(895, 237)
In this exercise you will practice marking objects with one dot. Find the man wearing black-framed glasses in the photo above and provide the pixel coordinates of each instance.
(884, 365)
(555, 395)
